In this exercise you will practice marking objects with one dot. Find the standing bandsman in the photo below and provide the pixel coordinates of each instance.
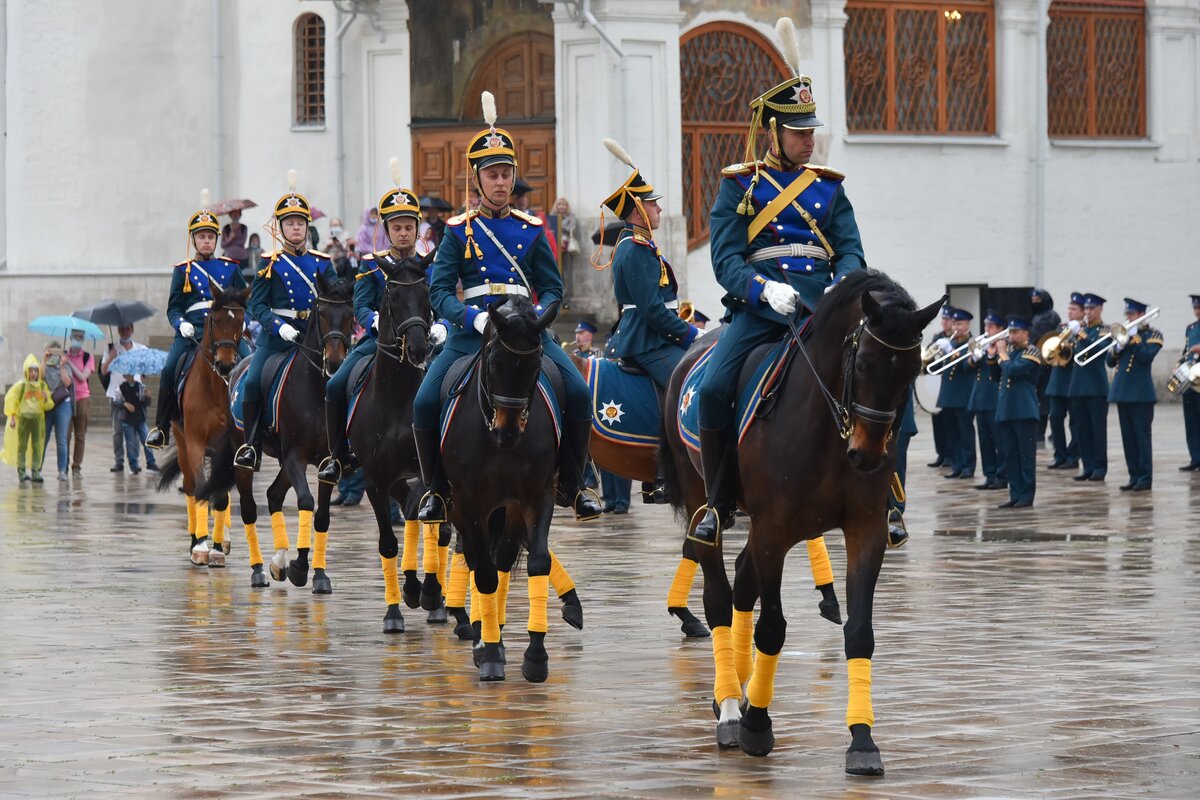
(953, 397)
(982, 406)
(281, 296)
(1133, 392)
(1017, 412)
(942, 340)
(187, 307)
(496, 251)
(1191, 398)
(782, 232)
(1066, 453)
(1089, 396)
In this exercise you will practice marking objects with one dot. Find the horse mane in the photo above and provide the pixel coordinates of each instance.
(341, 289)
(849, 291)
(231, 297)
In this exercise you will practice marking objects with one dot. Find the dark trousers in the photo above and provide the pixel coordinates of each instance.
(1020, 437)
(660, 363)
(960, 440)
(1191, 425)
(991, 457)
(902, 442)
(1063, 451)
(939, 436)
(616, 490)
(1043, 402)
(1091, 432)
(1136, 420)
(745, 332)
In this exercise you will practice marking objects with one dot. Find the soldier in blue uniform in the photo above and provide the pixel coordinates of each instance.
(1191, 398)
(187, 308)
(496, 251)
(281, 296)
(1066, 453)
(1017, 412)
(1133, 391)
(650, 333)
(983, 406)
(941, 339)
(953, 397)
(782, 232)
(1089, 396)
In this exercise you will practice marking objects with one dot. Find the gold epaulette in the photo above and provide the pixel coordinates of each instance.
(267, 256)
(462, 218)
(182, 264)
(361, 274)
(230, 260)
(377, 254)
(742, 169)
(1032, 354)
(370, 256)
(826, 172)
(530, 218)
(319, 253)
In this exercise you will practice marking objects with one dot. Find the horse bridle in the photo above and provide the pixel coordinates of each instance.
(397, 349)
(210, 353)
(325, 338)
(847, 410)
(489, 402)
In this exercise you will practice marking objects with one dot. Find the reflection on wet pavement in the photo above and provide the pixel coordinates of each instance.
(1048, 652)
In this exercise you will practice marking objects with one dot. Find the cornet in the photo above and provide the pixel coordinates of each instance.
(1118, 333)
(973, 348)
(1186, 376)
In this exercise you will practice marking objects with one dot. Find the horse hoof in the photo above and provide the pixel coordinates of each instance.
(226, 547)
(393, 620)
(321, 582)
(200, 553)
(755, 735)
(534, 670)
(489, 671)
(216, 558)
(727, 734)
(491, 662)
(864, 762)
(573, 616)
(690, 626)
(278, 565)
(297, 573)
(831, 611)
(431, 602)
(437, 616)
(463, 631)
(258, 578)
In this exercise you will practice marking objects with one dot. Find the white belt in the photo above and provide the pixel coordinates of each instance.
(673, 305)
(789, 251)
(291, 313)
(198, 306)
(490, 288)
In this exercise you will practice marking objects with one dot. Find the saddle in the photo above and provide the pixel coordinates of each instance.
(181, 373)
(274, 376)
(359, 376)
(549, 386)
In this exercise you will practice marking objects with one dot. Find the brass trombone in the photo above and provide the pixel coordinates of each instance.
(974, 349)
(1118, 333)
(1055, 347)
(1186, 376)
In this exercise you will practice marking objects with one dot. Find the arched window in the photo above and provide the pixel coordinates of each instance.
(309, 72)
(724, 66)
(1096, 69)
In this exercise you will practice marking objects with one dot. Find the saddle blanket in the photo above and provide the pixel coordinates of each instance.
(359, 377)
(275, 373)
(624, 406)
(181, 373)
(450, 406)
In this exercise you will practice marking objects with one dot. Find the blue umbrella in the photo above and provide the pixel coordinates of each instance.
(62, 325)
(143, 361)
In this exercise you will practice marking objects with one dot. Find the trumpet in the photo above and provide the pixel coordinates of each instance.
(1186, 376)
(974, 348)
(1119, 334)
(1055, 347)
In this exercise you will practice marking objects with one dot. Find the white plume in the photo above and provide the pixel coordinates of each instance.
(204, 198)
(619, 153)
(394, 167)
(488, 101)
(787, 41)
(292, 176)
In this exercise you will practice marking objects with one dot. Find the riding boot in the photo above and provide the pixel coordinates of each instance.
(437, 492)
(333, 467)
(160, 436)
(247, 456)
(572, 459)
(656, 493)
(717, 454)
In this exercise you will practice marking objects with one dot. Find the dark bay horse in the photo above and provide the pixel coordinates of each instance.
(298, 442)
(500, 455)
(822, 459)
(204, 412)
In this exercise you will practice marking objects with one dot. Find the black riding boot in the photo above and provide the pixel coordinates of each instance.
(247, 456)
(571, 462)
(160, 436)
(656, 493)
(429, 454)
(716, 456)
(340, 463)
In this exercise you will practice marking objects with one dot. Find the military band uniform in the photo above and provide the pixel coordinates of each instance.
(954, 395)
(1133, 392)
(937, 420)
(1191, 398)
(1088, 392)
(982, 406)
(1066, 452)
(1017, 419)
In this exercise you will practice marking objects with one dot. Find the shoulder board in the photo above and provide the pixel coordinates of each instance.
(368, 257)
(229, 260)
(319, 253)
(826, 172)
(1032, 354)
(182, 264)
(741, 169)
(530, 218)
(379, 253)
(361, 274)
(462, 218)
(268, 255)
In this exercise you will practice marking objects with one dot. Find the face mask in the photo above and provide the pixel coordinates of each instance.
(76, 346)
(336, 232)
(125, 340)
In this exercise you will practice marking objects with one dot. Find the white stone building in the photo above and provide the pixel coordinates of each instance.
(118, 112)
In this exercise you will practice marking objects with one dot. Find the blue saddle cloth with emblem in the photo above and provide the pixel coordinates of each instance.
(624, 405)
(274, 375)
(456, 381)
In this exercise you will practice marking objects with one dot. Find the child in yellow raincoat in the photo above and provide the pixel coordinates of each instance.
(26, 405)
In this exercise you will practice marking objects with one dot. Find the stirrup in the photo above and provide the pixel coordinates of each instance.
(330, 471)
(897, 534)
(693, 527)
(654, 493)
(583, 495)
(433, 506)
(246, 457)
(157, 439)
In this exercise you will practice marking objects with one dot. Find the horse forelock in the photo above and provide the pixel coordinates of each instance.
(341, 289)
(843, 302)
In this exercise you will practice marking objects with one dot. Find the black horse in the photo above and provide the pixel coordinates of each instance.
(821, 459)
(298, 442)
(500, 458)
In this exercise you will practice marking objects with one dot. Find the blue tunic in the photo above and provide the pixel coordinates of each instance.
(192, 306)
(987, 385)
(957, 382)
(1017, 398)
(1132, 382)
(1091, 380)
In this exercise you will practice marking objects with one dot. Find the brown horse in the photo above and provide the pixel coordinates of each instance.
(822, 459)
(204, 407)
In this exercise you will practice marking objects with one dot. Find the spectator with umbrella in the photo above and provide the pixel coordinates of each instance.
(233, 239)
(113, 378)
(133, 401)
(78, 365)
(58, 419)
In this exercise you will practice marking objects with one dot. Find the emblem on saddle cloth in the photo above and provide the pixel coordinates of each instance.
(612, 412)
(629, 413)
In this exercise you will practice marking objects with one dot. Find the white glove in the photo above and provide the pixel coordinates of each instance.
(945, 344)
(437, 333)
(375, 324)
(288, 333)
(480, 322)
(187, 329)
(1074, 326)
(780, 297)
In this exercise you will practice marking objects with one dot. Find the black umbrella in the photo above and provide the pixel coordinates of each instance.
(115, 312)
(611, 230)
(435, 203)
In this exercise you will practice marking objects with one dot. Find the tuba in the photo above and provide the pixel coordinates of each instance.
(1055, 347)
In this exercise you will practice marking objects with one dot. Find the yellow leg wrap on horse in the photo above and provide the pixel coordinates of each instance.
(490, 631)
(191, 507)
(818, 559)
(444, 565)
(229, 516)
(220, 523)
(430, 560)
(279, 531)
(505, 579)
(858, 707)
(743, 640)
(391, 581)
(559, 576)
(252, 544)
(201, 519)
(320, 545)
(681, 586)
(762, 683)
(476, 603)
(412, 536)
(539, 595)
(304, 537)
(460, 576)
(726, 683)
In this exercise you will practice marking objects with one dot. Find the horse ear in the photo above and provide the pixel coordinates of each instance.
(870, 306)
(547, 317)
(496, 317)
(428, 258)
(322, 284)
(926, 314)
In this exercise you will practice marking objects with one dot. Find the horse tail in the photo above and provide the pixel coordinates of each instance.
(220, 478)
(168, 470)
(671, 475)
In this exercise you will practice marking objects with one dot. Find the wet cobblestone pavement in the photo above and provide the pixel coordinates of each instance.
(1048, 652)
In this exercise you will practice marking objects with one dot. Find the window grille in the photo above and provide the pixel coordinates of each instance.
(310, 70)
